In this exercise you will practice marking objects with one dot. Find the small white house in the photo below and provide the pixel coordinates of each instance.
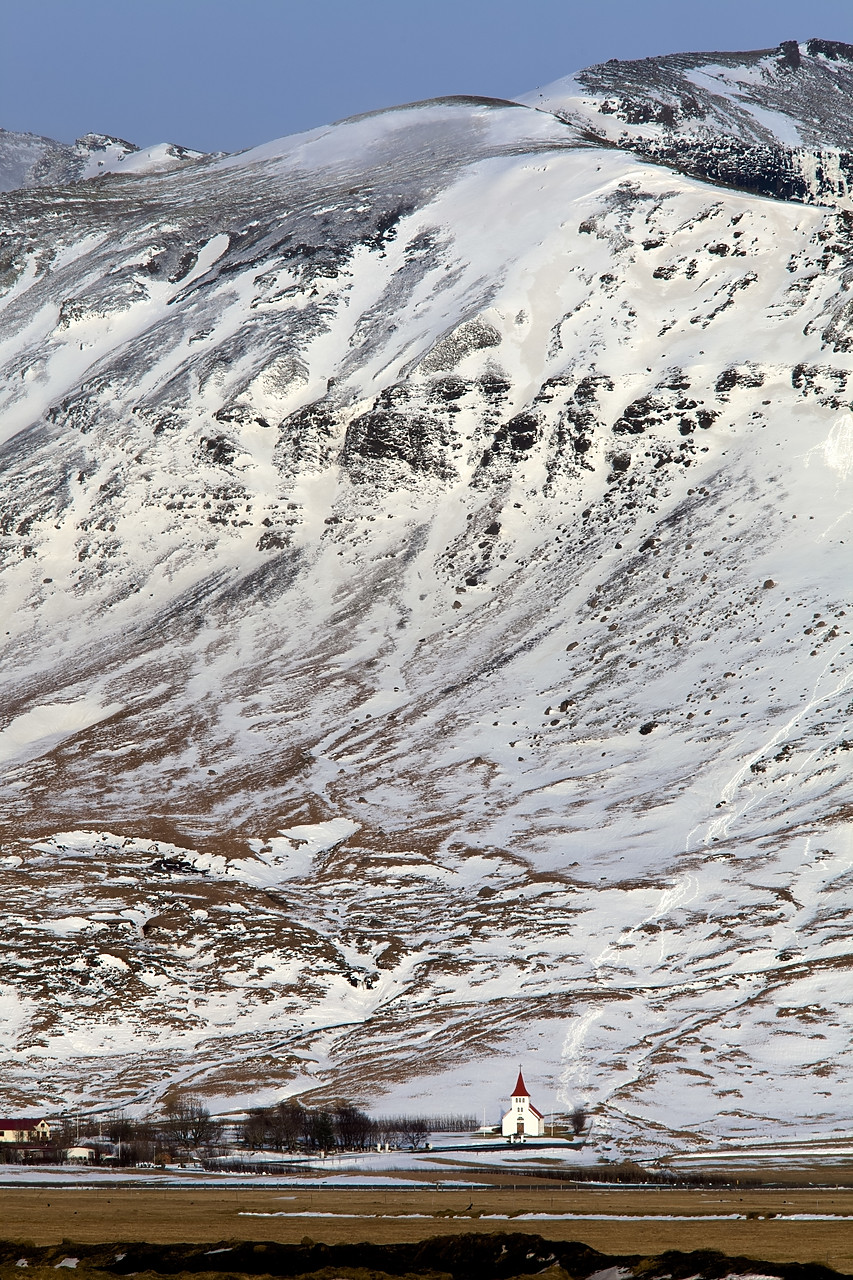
(80, 1155)
(522, 1119)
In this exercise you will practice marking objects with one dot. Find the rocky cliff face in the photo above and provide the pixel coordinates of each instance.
(427, 628)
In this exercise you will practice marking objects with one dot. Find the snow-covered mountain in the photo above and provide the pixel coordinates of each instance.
(794, 94)
(384, 510)
(29, 160)
(775, 121)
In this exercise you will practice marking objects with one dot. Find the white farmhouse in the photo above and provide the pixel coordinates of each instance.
(522, 1119)
(80, 1155)
(22, 1131)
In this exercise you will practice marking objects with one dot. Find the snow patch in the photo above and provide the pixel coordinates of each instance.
(67, 926)
(43, 727)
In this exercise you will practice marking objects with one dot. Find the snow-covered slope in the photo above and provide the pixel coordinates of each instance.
(795, 94)
(427, 643)
(776, 121)
(29, 160)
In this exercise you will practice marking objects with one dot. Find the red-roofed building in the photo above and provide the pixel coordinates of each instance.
(522, 1120)
(24, 1131)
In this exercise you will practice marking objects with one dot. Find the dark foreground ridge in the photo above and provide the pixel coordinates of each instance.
(499, 1256)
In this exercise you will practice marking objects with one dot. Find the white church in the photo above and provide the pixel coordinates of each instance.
(522, 1120)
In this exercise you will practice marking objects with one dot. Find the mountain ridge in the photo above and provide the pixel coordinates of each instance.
(31, 160)
(661, 93)
(773, 121)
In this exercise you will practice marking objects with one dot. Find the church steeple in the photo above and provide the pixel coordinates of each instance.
(522, 1120)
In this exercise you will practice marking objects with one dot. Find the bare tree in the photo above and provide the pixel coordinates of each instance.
(283, 1127)
(354, 1129)
(288, 1125)
(257, 1127)
(578, 1120)
(188, 1121)
(319, 1130)
(120, 1128)
(415, 1133)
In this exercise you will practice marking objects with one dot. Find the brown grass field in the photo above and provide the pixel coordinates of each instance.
(50, 1215)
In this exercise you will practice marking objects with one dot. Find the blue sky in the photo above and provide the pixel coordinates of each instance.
(226, 74)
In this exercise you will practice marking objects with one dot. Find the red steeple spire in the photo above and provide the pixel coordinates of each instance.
(520, 1090)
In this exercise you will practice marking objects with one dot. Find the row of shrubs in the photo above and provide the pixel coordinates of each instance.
(291, 1127)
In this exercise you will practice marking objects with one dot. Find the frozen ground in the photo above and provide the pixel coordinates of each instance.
(425, 570)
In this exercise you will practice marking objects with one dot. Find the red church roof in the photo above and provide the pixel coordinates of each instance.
(520, 1090)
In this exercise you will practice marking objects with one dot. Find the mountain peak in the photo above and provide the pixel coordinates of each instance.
(750, 96)
(30, 160)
